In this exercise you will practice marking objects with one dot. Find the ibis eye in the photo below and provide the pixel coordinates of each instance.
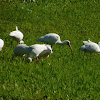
(68, 42)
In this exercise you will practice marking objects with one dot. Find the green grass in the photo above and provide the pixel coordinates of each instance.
(63, 76)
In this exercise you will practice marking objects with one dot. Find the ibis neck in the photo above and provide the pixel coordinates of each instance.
(62, 43)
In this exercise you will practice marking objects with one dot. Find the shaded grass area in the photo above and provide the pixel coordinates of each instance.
(63, 76)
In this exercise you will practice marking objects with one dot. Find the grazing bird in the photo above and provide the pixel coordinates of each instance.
(20, 50)
(53, 38)
(90, 47)
(17, 36)
(1, 44)
(38, 50)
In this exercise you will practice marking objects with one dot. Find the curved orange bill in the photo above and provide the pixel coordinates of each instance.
(70, 47)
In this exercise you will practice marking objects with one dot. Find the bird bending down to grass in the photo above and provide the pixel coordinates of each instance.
(16, 36)
(90, 47)
(20, 50)
(1, 44)
(38, 50)
(53, 38)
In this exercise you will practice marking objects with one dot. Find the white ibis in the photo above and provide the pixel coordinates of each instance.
(38, 50)
(53, 38)
(90, 47)
(1, 44)
(20, 50)
(17, 36)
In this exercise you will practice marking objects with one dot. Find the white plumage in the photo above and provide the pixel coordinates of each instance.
(17, 36)
(1, 44)
(38, 50)
(53, 38)
(20, 50)
(90, 47)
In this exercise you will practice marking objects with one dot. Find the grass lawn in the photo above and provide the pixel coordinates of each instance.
(63, 76)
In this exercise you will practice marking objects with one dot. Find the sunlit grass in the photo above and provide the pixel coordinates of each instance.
(64, 75)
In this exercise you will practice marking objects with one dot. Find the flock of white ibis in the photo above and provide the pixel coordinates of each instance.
(44, 50)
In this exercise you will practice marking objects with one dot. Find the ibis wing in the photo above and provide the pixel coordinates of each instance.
(93, 47)
(49, 38)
